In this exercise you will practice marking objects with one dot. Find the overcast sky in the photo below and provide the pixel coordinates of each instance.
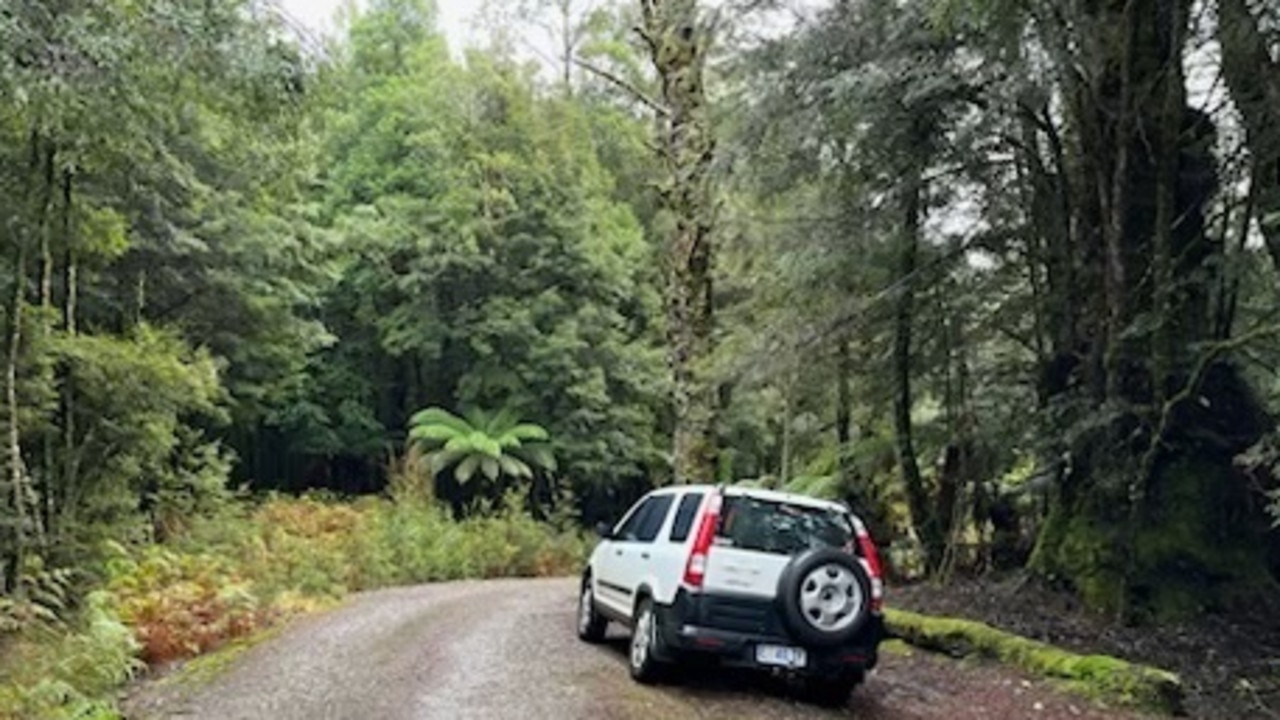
(317, 15)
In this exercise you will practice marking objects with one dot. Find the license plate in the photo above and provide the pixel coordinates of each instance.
(781, 655)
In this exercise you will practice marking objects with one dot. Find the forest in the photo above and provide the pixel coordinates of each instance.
(1002, 274)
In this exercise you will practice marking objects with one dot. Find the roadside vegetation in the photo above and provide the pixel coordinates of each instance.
(232, 574)
(285, 316)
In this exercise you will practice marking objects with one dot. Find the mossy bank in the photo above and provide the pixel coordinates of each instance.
(1104, 678)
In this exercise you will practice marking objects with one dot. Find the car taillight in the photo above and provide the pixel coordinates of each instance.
(696, 569)
(867, 547)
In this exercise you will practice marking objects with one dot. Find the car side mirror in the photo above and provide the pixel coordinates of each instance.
(604, 530)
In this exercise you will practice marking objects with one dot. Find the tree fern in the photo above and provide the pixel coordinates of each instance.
(494, 445)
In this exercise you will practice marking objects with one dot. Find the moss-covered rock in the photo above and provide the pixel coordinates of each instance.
(1199, 546)
(1099, 676)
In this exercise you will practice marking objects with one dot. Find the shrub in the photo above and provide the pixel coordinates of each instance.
(52, 673)
(248, 566)
(181, 605)
(408, 543)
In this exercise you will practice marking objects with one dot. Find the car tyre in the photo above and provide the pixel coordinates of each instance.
(591, 624)
(644, 649)
(825, 597)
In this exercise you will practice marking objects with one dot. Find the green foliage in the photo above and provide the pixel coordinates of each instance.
(821, 486)
(233, 573)
(497, 444)
(483, 260)
(1263, 460)
(179, 605)
(419, 543)
(269, 258)
(57, 674)
(131, 243)
(135, 446)
(44, 598)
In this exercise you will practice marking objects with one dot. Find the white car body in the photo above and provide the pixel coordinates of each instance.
(623, 569)
(752, 578)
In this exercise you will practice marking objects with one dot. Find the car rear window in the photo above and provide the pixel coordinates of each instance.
(684, 517)
(753, 524)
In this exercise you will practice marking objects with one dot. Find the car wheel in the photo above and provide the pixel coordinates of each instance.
(825, 596)
(642, 655)
(591, 624)
(831, 692)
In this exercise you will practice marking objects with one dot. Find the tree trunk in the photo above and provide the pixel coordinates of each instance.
(1254, 81)
(71, 291)
(17, 485)
(788, 423)
(26, 505)
(45, 488)
(1136, 520)
(844, 407)
(678, 42)
(1051, 257)
(922, 518)
(1116, 207)
(139, 298)
(566, 47)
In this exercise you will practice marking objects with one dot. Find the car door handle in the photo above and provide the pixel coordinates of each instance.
(617, 552)
(644, 556)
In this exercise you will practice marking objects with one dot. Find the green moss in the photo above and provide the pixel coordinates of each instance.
(895, 647)
(206, 668)
(1195, 553)
(1099, 676)
(1084, 551)
(1197, 547)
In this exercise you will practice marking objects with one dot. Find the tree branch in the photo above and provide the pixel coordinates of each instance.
(1192, 386)
(623, 84)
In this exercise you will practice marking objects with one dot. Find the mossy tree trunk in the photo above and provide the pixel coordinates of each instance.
(679, 37)
(1150, 507)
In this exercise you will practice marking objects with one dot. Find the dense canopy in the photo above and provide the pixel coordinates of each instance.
(1001, 274)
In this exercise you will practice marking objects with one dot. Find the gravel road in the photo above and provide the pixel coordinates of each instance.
(507, 649)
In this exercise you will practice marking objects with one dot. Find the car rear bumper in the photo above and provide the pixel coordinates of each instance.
(731, 628)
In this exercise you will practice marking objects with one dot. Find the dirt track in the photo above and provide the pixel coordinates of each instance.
(507, 649)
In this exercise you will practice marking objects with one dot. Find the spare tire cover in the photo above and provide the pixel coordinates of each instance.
(824, 596)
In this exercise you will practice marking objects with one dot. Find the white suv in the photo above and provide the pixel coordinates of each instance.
(756, 578)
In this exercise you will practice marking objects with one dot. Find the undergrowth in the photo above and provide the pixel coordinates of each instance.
(67, 668)
(237, 572)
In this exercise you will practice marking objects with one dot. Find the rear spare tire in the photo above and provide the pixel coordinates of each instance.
(825, 597)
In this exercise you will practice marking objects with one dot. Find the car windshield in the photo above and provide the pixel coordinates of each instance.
(754, 524)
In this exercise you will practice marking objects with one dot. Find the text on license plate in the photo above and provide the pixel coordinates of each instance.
(781, 655)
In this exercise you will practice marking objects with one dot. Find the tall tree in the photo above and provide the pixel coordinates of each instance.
(1144, 409)
(679, 36)
(121, 213)
(870, 91)
(484, 260)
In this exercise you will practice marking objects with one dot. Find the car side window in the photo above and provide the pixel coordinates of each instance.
(627, 530)
(656, 515)
(685, 512)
